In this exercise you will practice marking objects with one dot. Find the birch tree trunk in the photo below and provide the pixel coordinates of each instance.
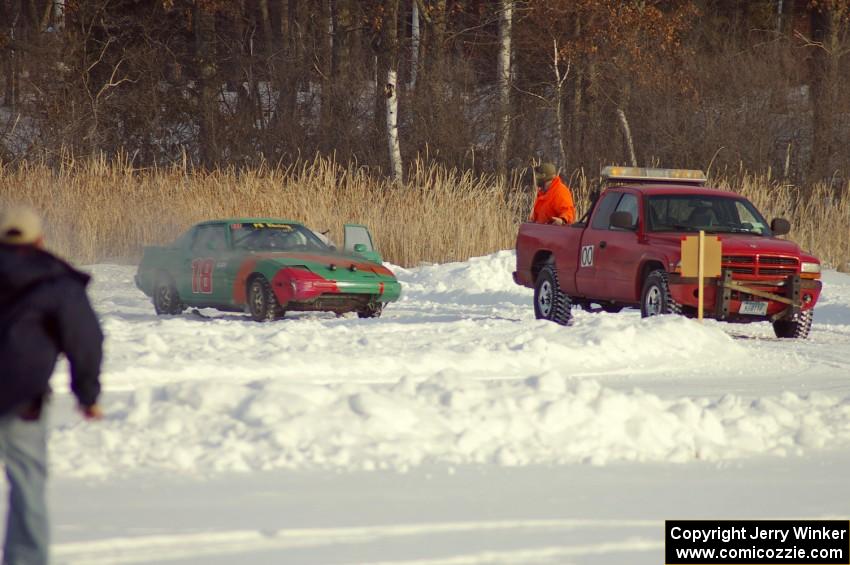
(390, 55)
(627, 136)
(414, 43)
(58, 15)
(504, 76)
(561, 77)
(392, 126)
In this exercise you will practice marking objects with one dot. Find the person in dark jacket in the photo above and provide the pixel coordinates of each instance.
(44, 311)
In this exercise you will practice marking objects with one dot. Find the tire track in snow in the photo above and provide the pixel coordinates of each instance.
(541, 555)
(162, 548)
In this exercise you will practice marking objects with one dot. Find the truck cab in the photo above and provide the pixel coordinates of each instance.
(627, 253)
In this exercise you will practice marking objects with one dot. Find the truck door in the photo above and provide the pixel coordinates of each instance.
(203, 274)
(619, 254)
(587, 281)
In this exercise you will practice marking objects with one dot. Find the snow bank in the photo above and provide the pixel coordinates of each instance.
(481, 280)
(457, 372)
(465, 317)
(546, 419)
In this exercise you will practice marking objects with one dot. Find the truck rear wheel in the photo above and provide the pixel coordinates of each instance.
(655, 299)
(796, 328)
(550, 302)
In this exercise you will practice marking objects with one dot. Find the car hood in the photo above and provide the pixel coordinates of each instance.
(327, 264)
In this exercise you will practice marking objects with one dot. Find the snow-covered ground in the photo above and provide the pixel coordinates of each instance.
(454, 429)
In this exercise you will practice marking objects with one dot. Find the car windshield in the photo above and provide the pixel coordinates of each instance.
(692, 213)
(268, 236)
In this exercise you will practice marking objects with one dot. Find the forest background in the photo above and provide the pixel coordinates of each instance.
(125, 121)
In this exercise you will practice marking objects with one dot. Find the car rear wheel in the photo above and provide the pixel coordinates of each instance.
(166, 301)
(371, 311)
(656, 299)
(796, 328)
(550, 302)
(262, 303)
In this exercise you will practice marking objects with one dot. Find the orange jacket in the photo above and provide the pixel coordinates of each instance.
(557, 202)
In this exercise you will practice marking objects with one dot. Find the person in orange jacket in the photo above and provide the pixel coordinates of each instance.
(554, 204)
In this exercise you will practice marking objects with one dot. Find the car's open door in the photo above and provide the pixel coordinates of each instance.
(358, 241)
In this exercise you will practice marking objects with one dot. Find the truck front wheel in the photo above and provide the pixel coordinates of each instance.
(798, 327)
(655, 298)
(550, 302)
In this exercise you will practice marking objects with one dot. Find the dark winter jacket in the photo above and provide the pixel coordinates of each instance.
(44, 311)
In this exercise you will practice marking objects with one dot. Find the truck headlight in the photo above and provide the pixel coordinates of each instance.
(810, 267)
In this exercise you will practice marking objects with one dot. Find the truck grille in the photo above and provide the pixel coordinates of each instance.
(761, 265)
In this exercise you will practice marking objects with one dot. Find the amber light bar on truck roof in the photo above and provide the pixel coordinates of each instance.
(647, 174)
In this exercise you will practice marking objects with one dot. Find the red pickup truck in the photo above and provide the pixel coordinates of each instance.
(626, 253)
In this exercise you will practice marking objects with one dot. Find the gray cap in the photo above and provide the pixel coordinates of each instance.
(20, 225)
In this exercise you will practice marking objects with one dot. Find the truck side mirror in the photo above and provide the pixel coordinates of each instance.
(622, 220)
(780, 226)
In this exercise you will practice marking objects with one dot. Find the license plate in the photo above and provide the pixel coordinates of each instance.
(753, 308)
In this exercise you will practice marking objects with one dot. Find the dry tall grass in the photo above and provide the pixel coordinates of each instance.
(105, 211)
(101, 211)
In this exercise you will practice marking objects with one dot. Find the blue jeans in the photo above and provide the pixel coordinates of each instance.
(23, 451)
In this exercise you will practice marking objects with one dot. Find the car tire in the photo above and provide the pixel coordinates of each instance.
(655, 299)
(371, 311)
(796, 328)
(166, 301)
(262, 303)
(550, 302)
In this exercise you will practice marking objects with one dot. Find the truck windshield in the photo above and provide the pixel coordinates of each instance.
(266, 236)
(692, 213)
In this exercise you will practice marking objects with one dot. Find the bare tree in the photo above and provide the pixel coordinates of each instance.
(627, 136)
(390, 63)
(504, 76)
(829, 44)
(415, 36)
(204, 24)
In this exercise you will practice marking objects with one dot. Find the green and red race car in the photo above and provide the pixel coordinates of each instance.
(267, 266)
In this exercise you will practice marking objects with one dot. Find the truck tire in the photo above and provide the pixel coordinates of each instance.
(655, 299)
(550, 303)
(796, 328)
(166, 301)
(262, 303)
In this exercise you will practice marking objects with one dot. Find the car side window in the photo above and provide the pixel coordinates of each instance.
(210, 238)
(628, 203)
(602, 215)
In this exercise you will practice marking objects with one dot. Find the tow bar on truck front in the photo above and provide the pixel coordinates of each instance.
(725, 286)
